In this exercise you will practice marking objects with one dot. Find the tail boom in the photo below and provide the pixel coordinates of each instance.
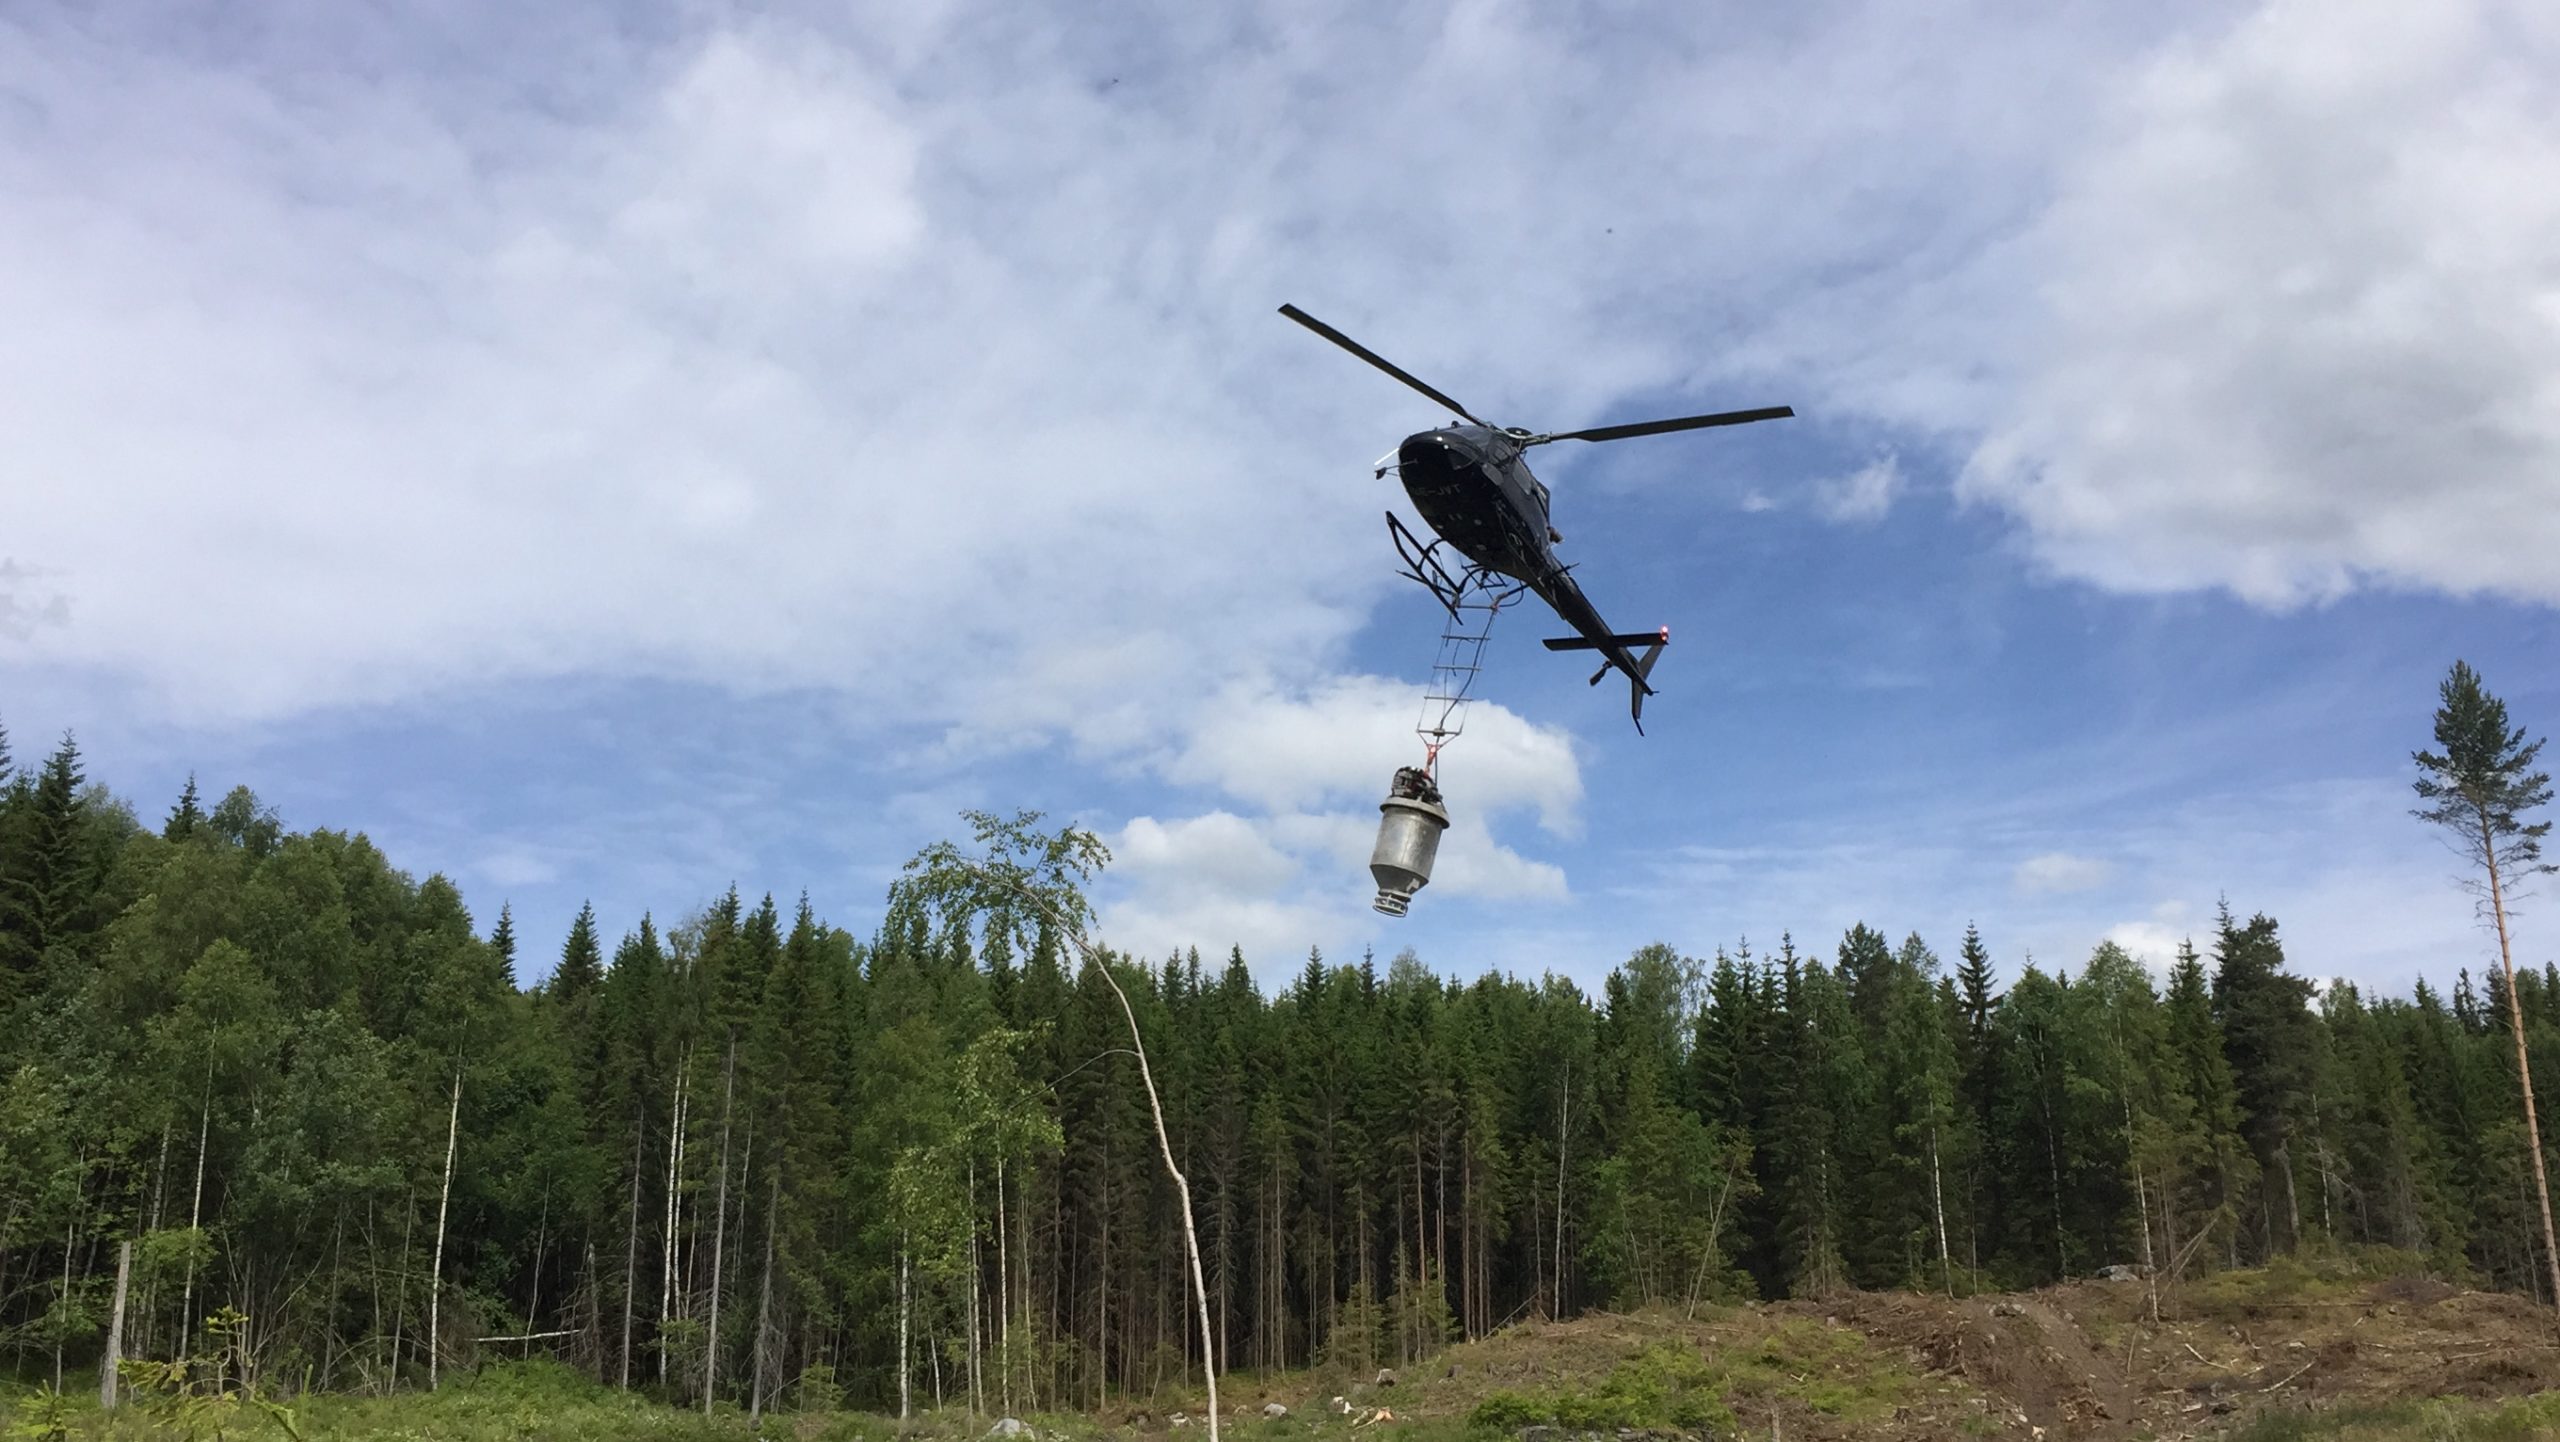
(1622, 654)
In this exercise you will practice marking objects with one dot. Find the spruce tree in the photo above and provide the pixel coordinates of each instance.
(2204, 1075)
(2269, 1035)
(581, 962)
(50, 877)
(1978, 1057)
(184, 817)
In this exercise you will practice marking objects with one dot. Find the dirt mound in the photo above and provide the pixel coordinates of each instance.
(2087, 1359)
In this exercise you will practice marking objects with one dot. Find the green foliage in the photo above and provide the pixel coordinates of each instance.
(2481, 784)
(1663, 1388)
(237, 1046)
(2444, 1420)
(1673, 1388)
(209, 1395)
(46, 1417)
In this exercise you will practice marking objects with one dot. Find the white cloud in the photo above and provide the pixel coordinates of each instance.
(1287, 749)
(2060, 871)
(1863, 496)
(1221, 851)
(1313, 766)
(859, 358)
(2155, 940)
(2296, 321)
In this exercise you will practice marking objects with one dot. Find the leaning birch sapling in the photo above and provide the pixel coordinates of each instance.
(1022, 878)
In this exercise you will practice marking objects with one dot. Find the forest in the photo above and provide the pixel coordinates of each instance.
(735, 1153)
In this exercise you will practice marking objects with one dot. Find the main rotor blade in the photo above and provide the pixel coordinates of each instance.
(1372, 357)
(1683, 423)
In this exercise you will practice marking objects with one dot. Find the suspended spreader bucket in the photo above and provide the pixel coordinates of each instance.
(1410, 821)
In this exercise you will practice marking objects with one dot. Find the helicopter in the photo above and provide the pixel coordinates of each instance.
(1475, 491)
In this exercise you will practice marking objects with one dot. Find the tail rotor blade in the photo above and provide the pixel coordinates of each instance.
(1373, 358)
(1682, 423)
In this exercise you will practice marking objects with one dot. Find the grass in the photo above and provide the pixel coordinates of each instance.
(2441, 1420)
(1671, 1387)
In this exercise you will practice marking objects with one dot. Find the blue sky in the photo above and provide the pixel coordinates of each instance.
(616, 453)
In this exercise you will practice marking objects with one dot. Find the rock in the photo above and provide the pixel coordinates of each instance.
(2120, 1272)
(1274, 1410)
(1011, 1427)
(1386, 1378)
(2007, 1309)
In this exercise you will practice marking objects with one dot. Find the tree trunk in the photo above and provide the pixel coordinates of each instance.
(977, 1283)
(2052, 1159)
(668, 1258)
(195, 1215)
(1004, 1298)
(906, 1369)
(115, 1329)
(631, 1250)
(764, 1300)
(400, 1301)
(541, 1239)
(719, 1229)
(444, 1200)
(2524, 1065)
(1938, 1207)
(1181, 1188)
(1564, 1111)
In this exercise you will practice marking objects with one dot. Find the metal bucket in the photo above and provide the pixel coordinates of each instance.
(1408, 842)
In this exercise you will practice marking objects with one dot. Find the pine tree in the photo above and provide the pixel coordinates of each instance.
(2479, 789)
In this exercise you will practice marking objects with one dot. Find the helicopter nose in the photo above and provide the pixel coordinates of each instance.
(1437, 451)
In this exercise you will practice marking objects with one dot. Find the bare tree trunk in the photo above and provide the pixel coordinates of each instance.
(70, 1228)
(115, 1329)
(977, 1280)
(906, 1369)
(631, 1250)
(1181, 1185)
(1004, 1298)
(444, 1200)
(719, 1229)
(668, 1256)
(1564, 1111)
(764, 1301)
(400, 1302)
(1938, 1206)
(195, 1216)
(541, 1239)
(2524, 1066)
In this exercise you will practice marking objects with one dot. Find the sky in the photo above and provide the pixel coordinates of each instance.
(611, 452)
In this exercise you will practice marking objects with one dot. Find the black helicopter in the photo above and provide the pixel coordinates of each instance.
(1475, 491)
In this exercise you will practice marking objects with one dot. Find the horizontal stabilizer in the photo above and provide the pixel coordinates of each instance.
(1585, 643)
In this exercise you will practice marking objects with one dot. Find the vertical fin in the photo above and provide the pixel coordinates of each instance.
(1636, 684)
